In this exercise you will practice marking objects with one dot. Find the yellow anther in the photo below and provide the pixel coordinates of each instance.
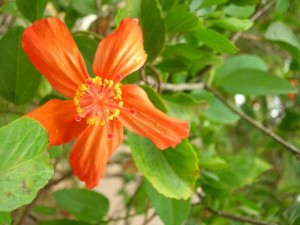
(97, 80)
(79, 110)
(92, 95)
(82, 87)
(92, 120)
(110, 83)
(76, 101)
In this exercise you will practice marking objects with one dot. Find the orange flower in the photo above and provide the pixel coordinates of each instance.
(100, 107)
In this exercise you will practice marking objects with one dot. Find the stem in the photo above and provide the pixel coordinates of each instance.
(239, 218)
(253, 18)
(158, 78)
(288, 146)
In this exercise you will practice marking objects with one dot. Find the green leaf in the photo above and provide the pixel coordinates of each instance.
(168, 4)
(209, 3)
(86, 205)
(232, 24)
(215, 40)
(19, 80)
(190, 54)
(181, 21)
(44, 210)
(87, 47)
(25, 167)
(255, 82)
(243, 61)
(282, 35)
(63, 222)
(282, 6)
(184, 99)
(172, 172)
(85, 7)
(153, 25)
(171, 211)
(242, 169)
(5, 218)
(243, 2)
(155, 98)
(32, 9)
(131, 9)
(218, 112)
(171, 66)
(239, 11)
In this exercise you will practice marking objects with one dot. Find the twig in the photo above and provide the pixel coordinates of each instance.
(175, 87)
(293, 149)
(156, 74)
(239, 218)
(253, 18)
(149, 218)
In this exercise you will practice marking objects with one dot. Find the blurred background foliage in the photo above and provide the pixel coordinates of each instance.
(229, 67)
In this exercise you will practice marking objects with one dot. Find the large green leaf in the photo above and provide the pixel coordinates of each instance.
(282, 35)
(19, 80)
(171, 211)
(154, 30)
(215, 40)
(32, 9)
(255, 82)
(172, 172)
(86, 205)
(181, 21)
(24, 165)
(244, 61)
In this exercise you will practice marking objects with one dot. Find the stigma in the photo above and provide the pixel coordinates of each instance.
(99, 101)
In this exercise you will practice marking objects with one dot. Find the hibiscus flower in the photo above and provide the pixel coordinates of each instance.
(97, 107)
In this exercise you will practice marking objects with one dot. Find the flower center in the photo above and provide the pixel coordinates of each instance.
(100, 101)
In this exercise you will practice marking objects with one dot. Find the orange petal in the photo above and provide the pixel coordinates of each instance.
(149, 122)
(92, 150)
(57, 116)
(122, 52)
(52, 50)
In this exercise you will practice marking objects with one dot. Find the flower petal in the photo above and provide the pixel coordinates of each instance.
(52, 50)
(57, 116)
(149, 122)
(122, 52)
(92, 150)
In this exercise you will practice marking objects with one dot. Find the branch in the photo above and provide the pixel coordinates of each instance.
(174, 87)
(239, 218)
(253, 18)
(288, 146)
